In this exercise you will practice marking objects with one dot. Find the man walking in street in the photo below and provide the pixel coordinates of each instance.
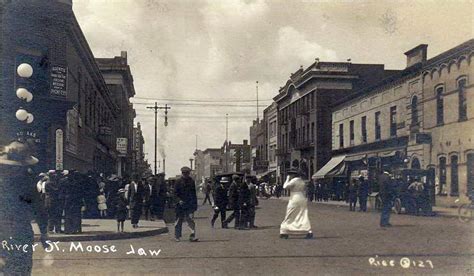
(185, 194)
(136, 193)
(207, 191)
(363, 193)
(253, 202)
(220, 202)
(234, 202)
(386, 190)
(244, 203)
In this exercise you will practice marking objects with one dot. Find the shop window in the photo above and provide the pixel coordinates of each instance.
(378, 128)
(439, 106)
(363, 126)
(415, 163)
(454, 176)
(442, 174)
(462, 100)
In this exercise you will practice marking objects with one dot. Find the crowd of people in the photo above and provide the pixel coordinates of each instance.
(69, 196)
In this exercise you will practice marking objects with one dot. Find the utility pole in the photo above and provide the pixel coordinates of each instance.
(155, 108)
(226, 141)
(257, 103)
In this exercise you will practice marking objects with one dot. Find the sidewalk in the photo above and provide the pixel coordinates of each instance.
(106, 229)
(440, 211)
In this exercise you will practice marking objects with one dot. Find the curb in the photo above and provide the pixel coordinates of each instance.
(107, 236)
(437, 213)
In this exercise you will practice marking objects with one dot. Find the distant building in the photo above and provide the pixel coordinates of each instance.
(270, 116)
(258, 142)
(304, 114)
(236, 157)
(139, 166)
(207, 163)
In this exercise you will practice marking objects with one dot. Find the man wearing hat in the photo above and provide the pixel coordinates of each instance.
(207, 191)
(220, 202)
(386, 190)
(234, 191)
(185, 194)
(159, 195)
(20, 204)
(253, 201)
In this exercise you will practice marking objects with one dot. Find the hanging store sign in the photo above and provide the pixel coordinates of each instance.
(122, 144)
(58, 81)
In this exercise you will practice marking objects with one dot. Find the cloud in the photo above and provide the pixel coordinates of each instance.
(294, 46)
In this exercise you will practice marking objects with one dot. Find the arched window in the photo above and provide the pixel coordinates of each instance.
(442, 174)
(415, 163)
(470, 174)
(462, 100)
(454, 176)
(439, 106)
(414, 111)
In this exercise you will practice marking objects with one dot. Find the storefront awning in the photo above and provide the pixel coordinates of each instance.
(334, 167)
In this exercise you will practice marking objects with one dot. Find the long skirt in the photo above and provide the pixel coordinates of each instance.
(296, 218)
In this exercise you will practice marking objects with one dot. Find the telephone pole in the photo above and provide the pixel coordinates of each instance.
(257, 102)
(226, 142)
(155, 108)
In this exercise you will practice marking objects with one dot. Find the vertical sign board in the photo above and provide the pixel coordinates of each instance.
(59, 150)
(122, 144)
(58, 81)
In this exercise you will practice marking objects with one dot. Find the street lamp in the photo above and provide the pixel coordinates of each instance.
(24, 71)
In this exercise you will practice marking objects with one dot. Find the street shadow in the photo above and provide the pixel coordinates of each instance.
(267, 227)
(402, 225)
(210, 241)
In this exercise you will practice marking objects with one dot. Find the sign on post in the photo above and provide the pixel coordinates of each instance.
(59, 150)
(122, 144)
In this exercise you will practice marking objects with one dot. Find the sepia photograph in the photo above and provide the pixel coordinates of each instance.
(236, 137)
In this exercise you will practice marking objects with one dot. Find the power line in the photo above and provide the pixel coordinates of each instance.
(206, 104)
(200, 100)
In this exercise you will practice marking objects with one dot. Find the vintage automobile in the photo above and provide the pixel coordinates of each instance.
(403, 202)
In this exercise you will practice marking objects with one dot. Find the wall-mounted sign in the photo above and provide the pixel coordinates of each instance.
(58, 81)
(122, 144)
(59, 150)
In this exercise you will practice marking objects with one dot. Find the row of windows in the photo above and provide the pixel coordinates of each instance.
(300, 135)
(302, 105)
(363, 127)
(454, 177)
(462, 101)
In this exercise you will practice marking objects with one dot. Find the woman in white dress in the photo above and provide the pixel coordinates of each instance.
(296, 219)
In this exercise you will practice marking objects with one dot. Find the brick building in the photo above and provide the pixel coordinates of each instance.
(304, 115)
(258, 142)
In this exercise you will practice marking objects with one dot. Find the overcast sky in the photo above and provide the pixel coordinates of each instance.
(217, 50)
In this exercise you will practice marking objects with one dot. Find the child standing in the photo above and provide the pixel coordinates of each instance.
(122, 209)
(102, 205)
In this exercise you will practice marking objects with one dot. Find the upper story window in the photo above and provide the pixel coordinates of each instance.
(363, 126)
(341, 135)
(351, 132)
(439, 105)
(378, 127)
(414, 111)
(393, 121)
(462, 100)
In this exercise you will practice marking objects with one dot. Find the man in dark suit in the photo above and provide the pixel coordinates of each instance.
(234, 202)
(147, 197)
(253, 201)
(185, 194)
(363, 193)
(387, 190)
(220, 202)
(136, 201)
(244, 203)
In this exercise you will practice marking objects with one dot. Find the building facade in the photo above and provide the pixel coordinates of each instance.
(258, 141)
(207, 163)
(236, 157)
(270, 116)
(139, 165)
(74, 114)
(119, 80)
(304, 115)
(419, 118)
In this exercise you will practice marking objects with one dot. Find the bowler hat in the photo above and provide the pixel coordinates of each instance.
(234, 176)
(293, 171)
(17, 154)
(185, 169)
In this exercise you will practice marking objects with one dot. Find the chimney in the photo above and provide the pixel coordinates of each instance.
(164, 167)
(123, 55)
(417, 55)
(246, 142)
(191, 161)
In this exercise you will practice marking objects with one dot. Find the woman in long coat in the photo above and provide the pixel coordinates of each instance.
(296, 219)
